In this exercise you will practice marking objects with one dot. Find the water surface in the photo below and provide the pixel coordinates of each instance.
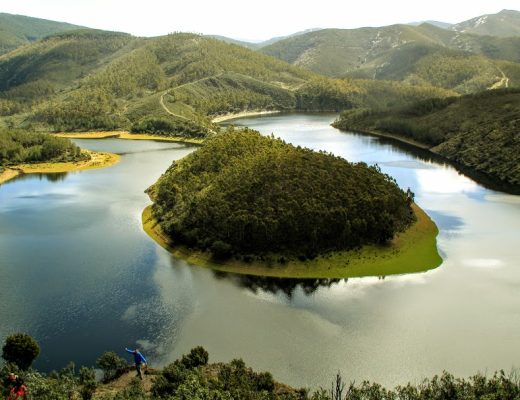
(78, 273)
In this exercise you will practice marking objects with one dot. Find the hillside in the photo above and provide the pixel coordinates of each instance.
(103, 80)
(172, 85)
(464, 62)
(506, 23)
(243, 193)
(17, 30)
(479, 132)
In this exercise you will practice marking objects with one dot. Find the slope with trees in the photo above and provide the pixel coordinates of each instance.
(18, 147)
(17, 30)
(464, 62)
(172, 85)
(246, 194)
(477, 131)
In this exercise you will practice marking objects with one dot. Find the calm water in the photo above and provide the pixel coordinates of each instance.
(78, 273)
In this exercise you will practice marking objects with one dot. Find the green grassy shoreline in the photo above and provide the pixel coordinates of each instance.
(414, 250)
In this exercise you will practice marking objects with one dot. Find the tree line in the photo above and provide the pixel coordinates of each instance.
(17, 147)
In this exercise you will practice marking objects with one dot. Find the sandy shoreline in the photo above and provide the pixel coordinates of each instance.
(242, 114)
(97, 160)
(414, 250)
(125, 135)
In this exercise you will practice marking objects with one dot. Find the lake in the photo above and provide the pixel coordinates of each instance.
(79, 274)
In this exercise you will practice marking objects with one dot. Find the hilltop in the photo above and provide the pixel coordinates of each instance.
(477, 131)
(423, 54)
(17, 30)
(506, 23)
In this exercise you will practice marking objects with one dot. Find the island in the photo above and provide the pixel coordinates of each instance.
(24, 152)
(251, 204)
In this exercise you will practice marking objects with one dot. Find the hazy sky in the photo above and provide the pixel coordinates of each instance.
(248, 19)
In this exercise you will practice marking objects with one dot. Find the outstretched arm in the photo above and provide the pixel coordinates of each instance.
(129, 351)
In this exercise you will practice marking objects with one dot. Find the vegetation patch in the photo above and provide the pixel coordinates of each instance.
(25, 153)
(248, 202)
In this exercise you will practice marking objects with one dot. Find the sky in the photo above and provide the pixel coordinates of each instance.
(249, 20)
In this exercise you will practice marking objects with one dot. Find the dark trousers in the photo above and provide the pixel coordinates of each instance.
(138, 369)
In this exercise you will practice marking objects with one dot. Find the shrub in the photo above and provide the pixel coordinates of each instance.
(197, 357)
(111, 364)
(20, 349)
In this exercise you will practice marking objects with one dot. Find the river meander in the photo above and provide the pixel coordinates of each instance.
(79, 274)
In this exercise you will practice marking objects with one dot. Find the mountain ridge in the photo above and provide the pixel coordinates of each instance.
(16, 30)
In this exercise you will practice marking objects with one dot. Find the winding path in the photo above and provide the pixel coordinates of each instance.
(161, 100)
(503, 82)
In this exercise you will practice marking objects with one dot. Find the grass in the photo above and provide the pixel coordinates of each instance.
(414, 250)
(127, 136)
(97, 160)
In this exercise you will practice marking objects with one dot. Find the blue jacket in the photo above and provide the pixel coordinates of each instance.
(138, 357)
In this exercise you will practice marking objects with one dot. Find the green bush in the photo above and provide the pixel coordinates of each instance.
(20, 349)
(197, 357)
(111, 364)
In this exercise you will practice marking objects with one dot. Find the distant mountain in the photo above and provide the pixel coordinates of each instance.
(243, 43)
(422, 54)
(278, 38)
(259, 45)
(438, 24)
(16, 30)
(506, 23)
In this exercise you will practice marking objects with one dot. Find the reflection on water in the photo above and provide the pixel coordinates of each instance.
(275, 285)
(78, 273)
(54, 177)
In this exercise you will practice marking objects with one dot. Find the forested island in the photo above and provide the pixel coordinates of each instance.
(28, 152)
(245, 198)
(478, 131)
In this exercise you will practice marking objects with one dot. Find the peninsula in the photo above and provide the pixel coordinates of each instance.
(26, 153)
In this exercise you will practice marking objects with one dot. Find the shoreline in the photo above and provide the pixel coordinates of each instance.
(481, 177)
(392, 136)
(242, 114)
(97, 160)
(125, 135)
(411, 251)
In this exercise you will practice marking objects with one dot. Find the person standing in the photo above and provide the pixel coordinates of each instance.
(18, 388)
(139, 361)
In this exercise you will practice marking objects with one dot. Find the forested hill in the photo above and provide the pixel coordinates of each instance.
(17, 30)
(243, 193)
(173, 85)
(478, 131)
(423, 54)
